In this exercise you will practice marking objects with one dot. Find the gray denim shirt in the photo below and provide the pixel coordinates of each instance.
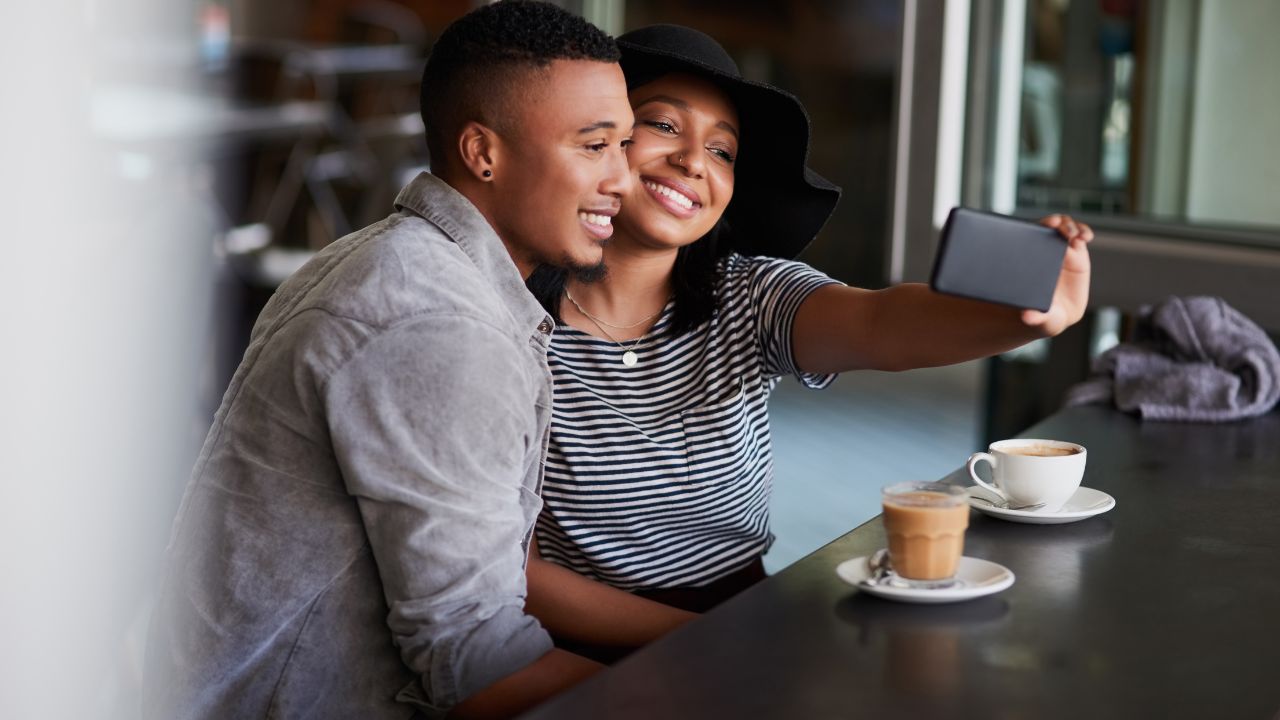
(354, 536)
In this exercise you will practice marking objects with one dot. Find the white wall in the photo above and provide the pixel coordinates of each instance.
(103, 303)
(1234, 168)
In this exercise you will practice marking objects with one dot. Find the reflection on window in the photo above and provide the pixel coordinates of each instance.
(1163, 110)
(1076, 85)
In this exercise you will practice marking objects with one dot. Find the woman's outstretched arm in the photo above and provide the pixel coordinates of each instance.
(908, 326)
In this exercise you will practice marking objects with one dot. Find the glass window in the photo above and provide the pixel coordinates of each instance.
(1164, 112)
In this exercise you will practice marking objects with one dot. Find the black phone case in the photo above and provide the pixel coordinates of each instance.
(999, 259)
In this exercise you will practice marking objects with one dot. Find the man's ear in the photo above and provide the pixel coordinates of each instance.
(480, 148)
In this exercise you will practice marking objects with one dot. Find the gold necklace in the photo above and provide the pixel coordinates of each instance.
(600, 322)
(629, 357)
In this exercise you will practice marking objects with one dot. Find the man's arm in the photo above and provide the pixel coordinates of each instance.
(434, 429)
(909, 326)
(578, 608)
(556, 671)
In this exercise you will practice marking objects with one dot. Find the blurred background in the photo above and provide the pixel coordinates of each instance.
(166, 165)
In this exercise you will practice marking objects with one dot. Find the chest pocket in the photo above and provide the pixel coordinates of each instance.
(721, 442)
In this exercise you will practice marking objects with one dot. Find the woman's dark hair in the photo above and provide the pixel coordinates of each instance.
(693, 281)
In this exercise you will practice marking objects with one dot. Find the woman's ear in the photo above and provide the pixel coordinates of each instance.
(479, 150)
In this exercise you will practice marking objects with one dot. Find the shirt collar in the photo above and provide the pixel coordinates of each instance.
(446, 208)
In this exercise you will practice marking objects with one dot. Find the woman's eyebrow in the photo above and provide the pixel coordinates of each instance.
(682, 105)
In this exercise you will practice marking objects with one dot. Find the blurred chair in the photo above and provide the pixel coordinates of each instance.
(383, 46)
(347, 176)
(290, 176)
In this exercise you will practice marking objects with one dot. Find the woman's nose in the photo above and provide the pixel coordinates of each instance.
(689, 160)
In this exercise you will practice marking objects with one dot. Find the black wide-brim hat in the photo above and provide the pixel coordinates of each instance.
(779, 204)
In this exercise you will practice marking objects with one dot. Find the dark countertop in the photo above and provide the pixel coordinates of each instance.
(1166, 607)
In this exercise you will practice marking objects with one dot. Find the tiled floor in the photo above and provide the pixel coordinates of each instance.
(834, 449)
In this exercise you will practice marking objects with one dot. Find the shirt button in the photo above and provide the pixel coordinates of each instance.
(544, 327)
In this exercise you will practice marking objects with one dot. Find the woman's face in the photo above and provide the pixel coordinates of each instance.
(681, 157)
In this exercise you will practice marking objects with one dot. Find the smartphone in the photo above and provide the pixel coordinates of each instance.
(999, 259)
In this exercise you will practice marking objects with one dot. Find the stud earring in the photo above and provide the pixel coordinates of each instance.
(487, 173)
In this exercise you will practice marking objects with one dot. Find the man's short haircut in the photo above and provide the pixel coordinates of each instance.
(474, 68)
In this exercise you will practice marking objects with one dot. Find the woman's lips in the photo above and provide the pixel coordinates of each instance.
(679, 202)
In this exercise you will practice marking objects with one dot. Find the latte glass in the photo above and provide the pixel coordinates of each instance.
(925, 524)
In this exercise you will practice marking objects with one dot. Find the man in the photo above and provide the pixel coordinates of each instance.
(353, 540)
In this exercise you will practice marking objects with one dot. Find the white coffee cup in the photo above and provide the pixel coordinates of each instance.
(1032, 471)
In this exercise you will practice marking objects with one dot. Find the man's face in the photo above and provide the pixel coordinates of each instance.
(561, 170)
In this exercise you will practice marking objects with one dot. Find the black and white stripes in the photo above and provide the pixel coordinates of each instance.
(659, 475)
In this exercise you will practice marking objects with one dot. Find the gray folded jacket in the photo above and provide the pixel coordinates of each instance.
(1192, 359)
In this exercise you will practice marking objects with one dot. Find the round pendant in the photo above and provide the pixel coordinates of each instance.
(629, 358)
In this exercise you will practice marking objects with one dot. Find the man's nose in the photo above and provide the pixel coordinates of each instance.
(617, 180)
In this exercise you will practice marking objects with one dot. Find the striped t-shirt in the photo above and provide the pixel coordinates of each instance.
(659, 475)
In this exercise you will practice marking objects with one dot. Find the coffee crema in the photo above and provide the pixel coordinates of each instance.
(1041, 451)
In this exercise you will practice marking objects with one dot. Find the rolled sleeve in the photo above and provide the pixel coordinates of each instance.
(433, 425)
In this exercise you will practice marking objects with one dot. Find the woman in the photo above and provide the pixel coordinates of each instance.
(658, 471)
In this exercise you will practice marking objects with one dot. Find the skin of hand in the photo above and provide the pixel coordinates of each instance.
(1071, 296)
(578, 608)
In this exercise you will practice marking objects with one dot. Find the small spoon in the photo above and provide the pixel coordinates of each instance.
(878, 566)
(1006, 506)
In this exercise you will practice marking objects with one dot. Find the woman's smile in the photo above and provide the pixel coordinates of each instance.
(674, 196)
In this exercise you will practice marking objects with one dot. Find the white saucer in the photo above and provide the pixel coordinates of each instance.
(1085, 503)
(977, 578)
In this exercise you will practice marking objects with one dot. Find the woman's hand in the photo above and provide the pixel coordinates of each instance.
(1071, 296)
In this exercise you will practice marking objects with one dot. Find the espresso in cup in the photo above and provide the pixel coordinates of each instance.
(1043, 451)
(1028, 472)
(925, 524)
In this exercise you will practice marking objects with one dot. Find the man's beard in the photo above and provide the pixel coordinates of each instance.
(580, 272)
(586, 273)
